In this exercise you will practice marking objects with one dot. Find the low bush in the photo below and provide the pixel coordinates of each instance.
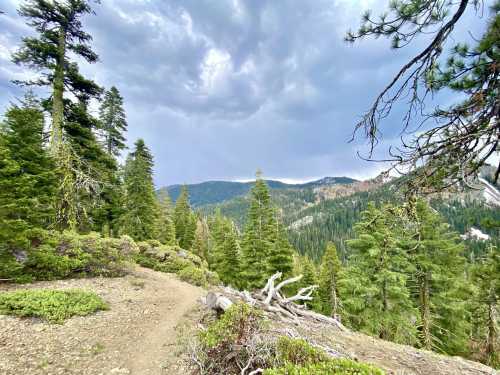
(232, 342)
(193, 275)
(173, 259)
(236, 325)
(54, 306)
(298, 352)
(240, 339)
(330, 367)
(51, 255)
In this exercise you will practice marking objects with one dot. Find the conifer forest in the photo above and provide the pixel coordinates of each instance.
(410, 255)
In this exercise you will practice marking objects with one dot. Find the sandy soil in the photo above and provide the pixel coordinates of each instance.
(137, 336)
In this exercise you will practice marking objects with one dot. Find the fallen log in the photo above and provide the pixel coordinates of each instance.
(271, 300)
(218, 302)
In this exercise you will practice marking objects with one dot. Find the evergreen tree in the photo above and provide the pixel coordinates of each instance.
(437, 275)
(27, 176)
(310, 278)
(281, 252)
(166, 233)
(486, 276)
(229, 270)
(330, 274)
(185, 220)
(140, 219)
(59, 31)
(201, 242)
(113, 121)
(258, 237)
(219, 226)
(376, 296)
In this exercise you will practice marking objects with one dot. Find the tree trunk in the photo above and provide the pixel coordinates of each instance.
(58, 92)
(334, 298)
(491, 349)
(425, 312)
(385, 306)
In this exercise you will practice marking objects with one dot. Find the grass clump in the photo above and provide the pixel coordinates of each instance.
(54, 306)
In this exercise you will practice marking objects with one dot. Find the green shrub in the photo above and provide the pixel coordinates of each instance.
(237, 324)
(297, 357)
(193, 275)
(298, 352)
(330, 367)
(52, 305)
(53, 255)
(173, 259)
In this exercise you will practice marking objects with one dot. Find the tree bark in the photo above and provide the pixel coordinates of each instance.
(58, 93)
(425, 311)
(492, 325)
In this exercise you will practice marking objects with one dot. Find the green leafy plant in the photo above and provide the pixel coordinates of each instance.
(54, 306)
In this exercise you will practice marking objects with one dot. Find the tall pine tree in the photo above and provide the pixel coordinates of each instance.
(185, 220)
(140, 220)
(437, 276)
(486, 277)
(27, 173)
(330, 274)
(166, 229)
(60, 32)
(258, 237)
(113, 121)
(377, 298)
(281, 252)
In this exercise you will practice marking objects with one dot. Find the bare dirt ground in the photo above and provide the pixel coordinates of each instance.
(137, 336)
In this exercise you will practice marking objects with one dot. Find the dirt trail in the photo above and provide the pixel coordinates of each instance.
(137, 336)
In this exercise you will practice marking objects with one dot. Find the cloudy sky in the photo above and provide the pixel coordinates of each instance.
(220, 88)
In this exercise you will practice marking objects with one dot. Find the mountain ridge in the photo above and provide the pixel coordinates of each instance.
(218, 191)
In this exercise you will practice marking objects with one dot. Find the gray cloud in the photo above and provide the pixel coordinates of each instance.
(219, 89)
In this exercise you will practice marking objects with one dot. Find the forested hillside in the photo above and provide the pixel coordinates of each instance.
(214, 192)
(314, 215)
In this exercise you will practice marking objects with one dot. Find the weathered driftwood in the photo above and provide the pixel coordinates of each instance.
(217, 301)
(271, 299)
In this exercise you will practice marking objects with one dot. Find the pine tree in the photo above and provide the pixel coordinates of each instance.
(281, 252)
(258, 237)
(185, 220)
(113, 121)
(330, 274)
(201, 242)
(376, 296)
(27, 172)
(229, 270)
(437, 273)
(485, 276)
(310, 278)
(219, 226)
(59, 31)
(166, 233)
(140, 219)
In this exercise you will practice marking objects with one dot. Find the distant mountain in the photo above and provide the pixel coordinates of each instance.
(214, 192)
(326, 210)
